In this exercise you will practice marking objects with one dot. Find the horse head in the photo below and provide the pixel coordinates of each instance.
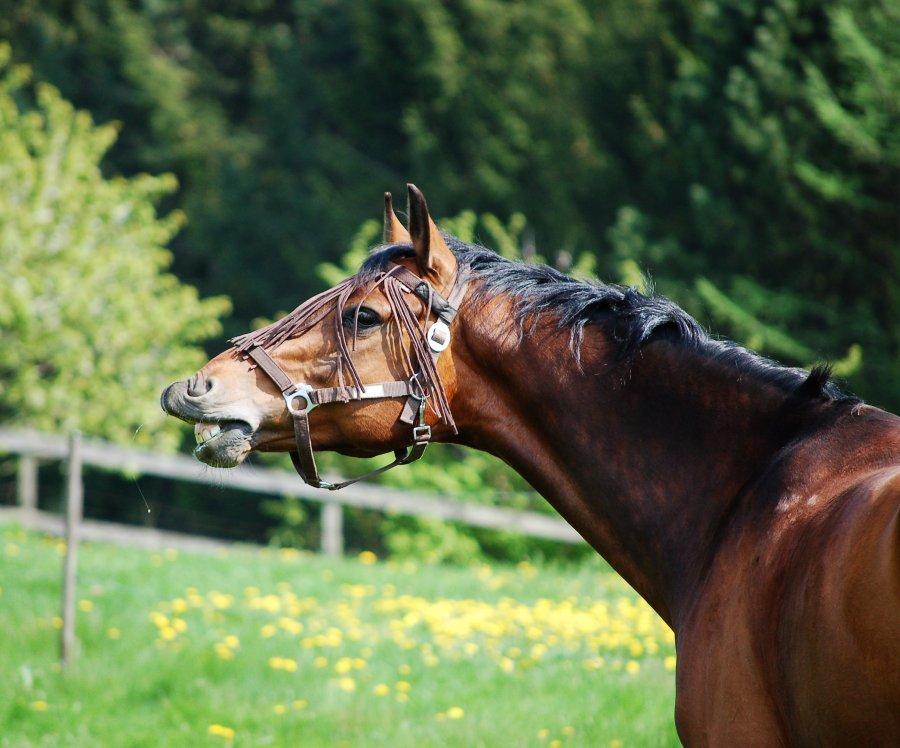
(377, 350)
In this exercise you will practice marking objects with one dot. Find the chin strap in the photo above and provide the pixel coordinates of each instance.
(301, 398)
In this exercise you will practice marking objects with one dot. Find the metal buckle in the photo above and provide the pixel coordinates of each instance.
(422, 433)
(438, 336)
(300, 390)
(414, 383)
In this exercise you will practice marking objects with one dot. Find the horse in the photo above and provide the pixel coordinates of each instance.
(752, 505)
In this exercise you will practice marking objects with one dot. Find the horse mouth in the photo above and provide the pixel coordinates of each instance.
(222, 443)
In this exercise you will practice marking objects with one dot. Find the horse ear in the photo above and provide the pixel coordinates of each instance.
(394, 232)
(432, 253)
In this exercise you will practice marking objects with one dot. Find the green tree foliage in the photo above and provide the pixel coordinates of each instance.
(742, 154)
(765, 200)
(90, 326)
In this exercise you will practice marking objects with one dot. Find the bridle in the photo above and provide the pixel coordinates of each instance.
(301, 398)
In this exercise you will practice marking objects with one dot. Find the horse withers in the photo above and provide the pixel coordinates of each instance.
(752, 505)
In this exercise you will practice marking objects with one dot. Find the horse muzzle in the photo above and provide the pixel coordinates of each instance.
(224, 431)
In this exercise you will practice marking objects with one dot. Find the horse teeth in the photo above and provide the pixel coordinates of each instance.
(203, 432)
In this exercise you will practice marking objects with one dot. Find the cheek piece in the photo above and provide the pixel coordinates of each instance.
(421, 389)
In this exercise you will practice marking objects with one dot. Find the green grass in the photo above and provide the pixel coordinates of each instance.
(528, 655)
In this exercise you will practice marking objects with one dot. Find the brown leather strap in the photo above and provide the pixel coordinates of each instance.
(327, 395)
(276, 374)
(305, 462)
(440, 306)
(304, 459)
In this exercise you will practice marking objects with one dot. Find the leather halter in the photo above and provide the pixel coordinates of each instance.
(300, 398)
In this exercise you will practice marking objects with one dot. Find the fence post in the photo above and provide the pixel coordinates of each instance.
(74, 499)
(332, 529)
(27, 483)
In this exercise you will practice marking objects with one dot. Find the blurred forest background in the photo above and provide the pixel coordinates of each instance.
(744, 155)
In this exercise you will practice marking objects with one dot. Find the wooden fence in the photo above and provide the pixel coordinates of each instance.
(32, 446)
(76, 452)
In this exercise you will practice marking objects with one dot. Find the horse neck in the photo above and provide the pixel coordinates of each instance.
(646, 459)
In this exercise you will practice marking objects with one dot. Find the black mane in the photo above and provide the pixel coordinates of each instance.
(630, 318)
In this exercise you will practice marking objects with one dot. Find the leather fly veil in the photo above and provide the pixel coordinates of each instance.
(422, 389)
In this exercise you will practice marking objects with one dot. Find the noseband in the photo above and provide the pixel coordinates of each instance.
(301, 398)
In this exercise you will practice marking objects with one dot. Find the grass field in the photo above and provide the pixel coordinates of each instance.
(277, 648)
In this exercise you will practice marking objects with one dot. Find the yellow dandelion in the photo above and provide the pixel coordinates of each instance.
(347, 684)
(299, 704)
(615, 743)
(669, 663)
(382, 689)
(555, 743)
(225, 652)
(279, 709)
(268, 631)
(167, 633)
(113, 633)
(543, 733)
(320, 662)
(455, 712)
(290, 625)
(402, 697)
(568, 730)
(221, 731)
(367, 557)
(404, 670)
(86, 605)
(220, 600)
(343, 665)
(40, 705)
(632, 667)
(231, 641)
(402, 686)
(440, 716)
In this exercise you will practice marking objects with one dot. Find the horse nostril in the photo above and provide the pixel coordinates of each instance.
(198, 385)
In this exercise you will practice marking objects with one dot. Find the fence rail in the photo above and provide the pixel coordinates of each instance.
(32, 445)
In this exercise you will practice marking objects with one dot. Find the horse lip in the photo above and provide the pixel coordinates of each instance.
(228, 447)
(225, 426)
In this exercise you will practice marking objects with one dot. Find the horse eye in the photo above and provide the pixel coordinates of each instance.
(365, 319)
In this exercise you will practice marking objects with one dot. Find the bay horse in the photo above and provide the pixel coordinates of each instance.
(752, 505)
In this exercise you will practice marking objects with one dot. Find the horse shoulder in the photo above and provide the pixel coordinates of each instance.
(835, 653)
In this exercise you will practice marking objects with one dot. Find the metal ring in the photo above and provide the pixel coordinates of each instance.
(304, 391)
(414, 382)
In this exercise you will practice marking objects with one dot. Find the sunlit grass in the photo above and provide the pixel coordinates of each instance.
(285, 648)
